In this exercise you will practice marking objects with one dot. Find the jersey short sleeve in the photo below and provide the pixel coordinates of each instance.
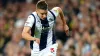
(30, 21)
(55, 11)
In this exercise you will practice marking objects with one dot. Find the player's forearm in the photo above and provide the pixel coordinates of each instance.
(27, 36)
(66, 29)
(62, 16)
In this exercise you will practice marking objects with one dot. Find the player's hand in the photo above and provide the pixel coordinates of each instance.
(37, 40)
(66, 28)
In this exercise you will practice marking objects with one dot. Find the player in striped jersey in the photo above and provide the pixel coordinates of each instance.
(41, 23)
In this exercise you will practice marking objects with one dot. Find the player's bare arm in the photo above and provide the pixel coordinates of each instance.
(27, 36)
(66, 28)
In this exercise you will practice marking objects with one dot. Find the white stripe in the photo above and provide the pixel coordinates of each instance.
(49, 38)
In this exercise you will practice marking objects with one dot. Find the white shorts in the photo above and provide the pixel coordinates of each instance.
(49, 51)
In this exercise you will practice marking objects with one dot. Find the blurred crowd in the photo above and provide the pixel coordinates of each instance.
(82, 17)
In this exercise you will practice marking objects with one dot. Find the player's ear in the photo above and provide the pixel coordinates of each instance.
(37, 10)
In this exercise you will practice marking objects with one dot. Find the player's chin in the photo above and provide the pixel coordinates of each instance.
(44, 18)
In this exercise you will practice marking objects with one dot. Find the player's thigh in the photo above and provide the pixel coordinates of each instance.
(51, 51)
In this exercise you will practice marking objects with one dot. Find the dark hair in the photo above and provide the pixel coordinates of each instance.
(42, 5)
